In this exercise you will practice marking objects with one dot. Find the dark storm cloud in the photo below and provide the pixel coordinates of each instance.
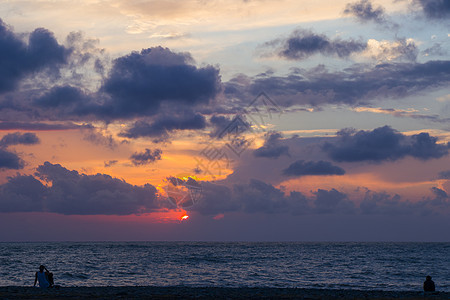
(383, 143)
(160, 128)
(356, 85)
(303, 43)
(139, 82)
(272, 147)
(19, 139)
(304, 168)
(364, 11)
(18, 59)
(10, 160)
(435, 9)
(146, 157)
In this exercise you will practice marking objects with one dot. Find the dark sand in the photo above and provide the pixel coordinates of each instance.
(147, 292)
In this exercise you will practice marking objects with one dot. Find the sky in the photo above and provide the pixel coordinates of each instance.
(225, 120)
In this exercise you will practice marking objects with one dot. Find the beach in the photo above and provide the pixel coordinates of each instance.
(180, 292)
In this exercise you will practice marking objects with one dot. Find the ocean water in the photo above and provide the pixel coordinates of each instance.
(365, 266)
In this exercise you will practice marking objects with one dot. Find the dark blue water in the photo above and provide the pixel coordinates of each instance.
(367, 266)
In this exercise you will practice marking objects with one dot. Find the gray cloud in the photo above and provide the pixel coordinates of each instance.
(356, 85)
(18, 138)
(139, 82)
(444, 175)
(74, 193)
(18, 59)
(364, 11)
(22, 193)
(37, 126)
(10, 160)
(160, 128)
(304, 168)
(376, 203)
(110, 163)
(332, 201)
(383, 143)
(146, 157)
(435, 9)
(272, 147)
(303, 43)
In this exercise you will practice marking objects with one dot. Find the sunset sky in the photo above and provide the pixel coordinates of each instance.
(260, 120)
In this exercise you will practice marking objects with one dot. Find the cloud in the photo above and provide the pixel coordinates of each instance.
(18, 59)
(355, 85)
(272, 147)
(435, 9)
(96, 137)
(219, 123)
(302, 168)
(139, 82)
(160, 128)
(303, 43)
(401, 113)
(66, 98)
(444, 175)
(146, 157)
(332, 201)
(253, 197)
(257, 196)
(364, 11)
(22, 193)
(400, 49)
(381, 203)
(73, 193)
(40, 126)
(383, 143)
(9, 160)
(19, 139)
(110, 163)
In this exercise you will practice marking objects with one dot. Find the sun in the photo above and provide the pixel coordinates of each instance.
(184, 218)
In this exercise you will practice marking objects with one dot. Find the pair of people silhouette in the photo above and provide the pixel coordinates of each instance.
(45, 279)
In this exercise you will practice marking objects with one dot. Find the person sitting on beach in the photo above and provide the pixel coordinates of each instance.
(428, 285)
(45, 278)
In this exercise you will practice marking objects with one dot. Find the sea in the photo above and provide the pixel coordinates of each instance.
(363, 266)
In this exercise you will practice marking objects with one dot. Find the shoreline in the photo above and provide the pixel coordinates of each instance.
(181, 292)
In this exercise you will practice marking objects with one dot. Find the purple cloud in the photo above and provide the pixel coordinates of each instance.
(272, 147)
(383, 143)
(146, 157)
(305, 168)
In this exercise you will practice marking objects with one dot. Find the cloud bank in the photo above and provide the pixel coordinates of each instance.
(383, 144)
(72, 193)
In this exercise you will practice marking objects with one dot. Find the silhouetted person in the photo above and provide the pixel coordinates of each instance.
(428, 285)
(45, 278)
